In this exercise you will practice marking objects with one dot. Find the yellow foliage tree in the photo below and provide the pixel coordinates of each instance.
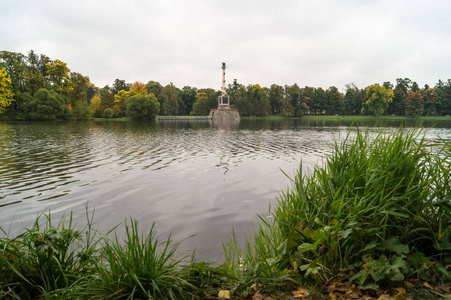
(59, 76)
(120, 98)
(138, 88)
(94, 106)
(378, 98)
(6, 90)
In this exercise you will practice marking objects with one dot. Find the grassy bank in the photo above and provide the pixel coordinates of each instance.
(374, 218)
(368, 118)
(352, 118)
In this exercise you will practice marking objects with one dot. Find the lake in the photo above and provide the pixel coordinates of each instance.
(191, 178)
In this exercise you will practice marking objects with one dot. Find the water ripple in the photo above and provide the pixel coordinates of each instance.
(186, 176)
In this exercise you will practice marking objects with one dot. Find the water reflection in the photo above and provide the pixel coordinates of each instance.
(190, 177)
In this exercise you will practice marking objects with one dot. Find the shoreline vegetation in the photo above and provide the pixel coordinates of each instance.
(36, 87)
(372, 222)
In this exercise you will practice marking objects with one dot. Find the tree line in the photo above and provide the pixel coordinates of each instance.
(35, 87)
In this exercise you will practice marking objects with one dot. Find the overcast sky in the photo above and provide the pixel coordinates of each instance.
(318, 43)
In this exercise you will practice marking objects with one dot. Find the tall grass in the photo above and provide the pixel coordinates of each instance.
(140, 267)
(45, 260)
(379, 208)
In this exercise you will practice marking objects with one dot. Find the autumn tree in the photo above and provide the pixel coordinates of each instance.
(143, 107)
(430, 99)
(94, 105)
(378, 98)
(120, 100)
(6, 91)
(138, 88)
(15, 65)
(415, 103)
(59, 77)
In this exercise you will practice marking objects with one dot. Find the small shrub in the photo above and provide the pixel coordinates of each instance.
(144, 107)
(108, 113)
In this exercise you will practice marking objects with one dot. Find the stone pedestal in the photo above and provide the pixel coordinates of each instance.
(224, 115)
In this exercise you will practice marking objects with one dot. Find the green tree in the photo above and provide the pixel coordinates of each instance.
(294, 94)
(108, 113)
(309, 96)
(201, 106)
(77, 96)
(188, 96)
(44, 105)
(378, 98)
(169, 98)
(106, 100)
(414, 103)
(320, 101)
(430, 99)
(241, 101)
(287, 109)
(155, 88)
(445, 98)
(259, 101)
(353, 100)
(213, 95)
(36, 74)
(334, 98)
(144, 107)
(119, 85)
(275, 98)
(6, 91)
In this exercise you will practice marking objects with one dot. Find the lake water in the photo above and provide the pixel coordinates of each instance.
(189, 177)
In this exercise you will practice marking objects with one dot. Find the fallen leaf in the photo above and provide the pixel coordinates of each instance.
(224, 294)
(427, 285)
(258, 296)
(384, 297)
(300, 293)
(409, 285)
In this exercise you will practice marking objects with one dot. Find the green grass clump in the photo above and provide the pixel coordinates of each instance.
(377, 211)
(45, 260)
(140, 267)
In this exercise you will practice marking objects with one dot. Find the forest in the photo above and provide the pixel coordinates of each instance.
(35, 87)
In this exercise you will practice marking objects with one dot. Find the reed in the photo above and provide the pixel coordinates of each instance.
(378, 210)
